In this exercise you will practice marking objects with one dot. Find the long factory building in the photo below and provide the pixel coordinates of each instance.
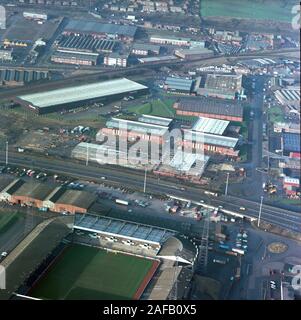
(101, 30)
(76, 96)
(206, 134)
(230, 110)
(41, 196)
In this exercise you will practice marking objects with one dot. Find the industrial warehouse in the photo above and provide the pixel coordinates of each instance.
(44, 197)
(85, 43)
(75, 58)
(206, 136)
(210, 107)
(72, 97)
(100, 30)
(14, 77)
(221, 86)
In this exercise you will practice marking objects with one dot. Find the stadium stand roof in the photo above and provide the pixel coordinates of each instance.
(137, 126)
(96, 27)
(178, 84)
(208, 125)
(155, 120)
(121, 228)
(291, 142)
(211, 106)
(81, 93)
(212, 139)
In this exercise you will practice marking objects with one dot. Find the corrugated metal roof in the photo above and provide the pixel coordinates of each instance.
(122, 228)
(137, 126)
(212, 139)
(291, 142)
(211, 106)
(213, 126)
(155, 120)
(178, 83)
(82, 93)
(96, 27)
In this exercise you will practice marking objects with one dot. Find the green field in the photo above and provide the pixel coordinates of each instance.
(276, 10)
(159, 108)
(89, 273)
(276, 114)
(7, 220)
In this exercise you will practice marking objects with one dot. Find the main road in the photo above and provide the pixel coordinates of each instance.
(135, 179)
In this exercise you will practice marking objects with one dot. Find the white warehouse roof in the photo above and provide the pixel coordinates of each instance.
(208, 125)
(82, 93)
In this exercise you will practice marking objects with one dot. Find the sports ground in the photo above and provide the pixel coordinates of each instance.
(83, 272)
(275, 10)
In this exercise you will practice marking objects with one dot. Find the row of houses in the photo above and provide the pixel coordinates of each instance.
(44, 197)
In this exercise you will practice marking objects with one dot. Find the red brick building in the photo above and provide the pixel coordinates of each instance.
(210, 108)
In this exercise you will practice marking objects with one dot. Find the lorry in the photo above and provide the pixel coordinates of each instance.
(123, 202)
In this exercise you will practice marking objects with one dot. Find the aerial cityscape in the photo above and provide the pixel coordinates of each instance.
(150, 150)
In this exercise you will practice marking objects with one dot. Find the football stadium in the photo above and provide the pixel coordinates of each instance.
(83, 272)
(101, 258)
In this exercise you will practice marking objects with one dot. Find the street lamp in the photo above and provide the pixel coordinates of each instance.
(227, 183)
(6, 153)
(144, 185)
(260, 210)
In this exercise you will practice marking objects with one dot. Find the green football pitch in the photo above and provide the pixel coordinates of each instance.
(83, 272)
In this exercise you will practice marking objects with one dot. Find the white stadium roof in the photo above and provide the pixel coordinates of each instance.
(82, 93)
(213, 126)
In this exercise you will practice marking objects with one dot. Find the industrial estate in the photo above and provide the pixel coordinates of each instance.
(150, 150)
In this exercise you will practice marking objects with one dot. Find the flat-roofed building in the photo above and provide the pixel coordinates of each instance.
(194, 53)
(210, 108)
(291, 142)
(287, 127)
(101, 30)
(209, 125)
(72, 97)
(75, 58)
(143, 49)
(6, 54)
(116, 59)
(221, 86)
(178, 85)
(171, 40)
